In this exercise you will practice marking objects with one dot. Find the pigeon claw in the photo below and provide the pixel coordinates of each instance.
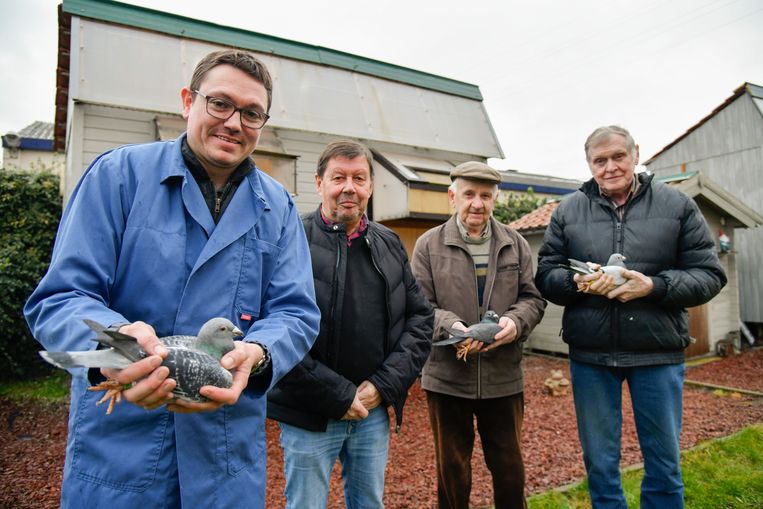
(462, 351)
(113, 393)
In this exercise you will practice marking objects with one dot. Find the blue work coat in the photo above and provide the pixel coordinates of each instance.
(137, 242)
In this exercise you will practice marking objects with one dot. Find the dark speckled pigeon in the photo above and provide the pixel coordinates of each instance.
(483, 331)
(193, 361)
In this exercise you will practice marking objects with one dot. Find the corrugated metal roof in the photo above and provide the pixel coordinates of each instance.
(38, 130)
(755, 91)
(180, 26)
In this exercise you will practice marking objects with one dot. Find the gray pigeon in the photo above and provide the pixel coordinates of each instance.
(483, 331)
(614, 267)
(193, 361)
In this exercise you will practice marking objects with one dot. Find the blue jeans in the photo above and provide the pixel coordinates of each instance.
(657, 396)
(309, 457)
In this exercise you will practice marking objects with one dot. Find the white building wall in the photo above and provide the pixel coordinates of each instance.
(121, 66)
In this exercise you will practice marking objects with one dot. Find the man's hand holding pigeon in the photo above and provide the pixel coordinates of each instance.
(636, 284)
(240, 362)
(150, 387)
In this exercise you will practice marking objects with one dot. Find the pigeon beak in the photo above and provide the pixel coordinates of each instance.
(237, 333)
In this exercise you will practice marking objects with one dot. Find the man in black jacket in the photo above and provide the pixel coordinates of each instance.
(635, 331)
(375, 335)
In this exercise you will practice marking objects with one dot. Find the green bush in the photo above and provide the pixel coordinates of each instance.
(30, 208)
(513, 205)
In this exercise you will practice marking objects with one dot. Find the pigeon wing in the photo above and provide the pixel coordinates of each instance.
(192, 370)
(123, 343)
(484, 332)
(109, 358)
(449, 341)
(179, 341)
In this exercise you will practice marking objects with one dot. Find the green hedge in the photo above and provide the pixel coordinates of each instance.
(30, 208)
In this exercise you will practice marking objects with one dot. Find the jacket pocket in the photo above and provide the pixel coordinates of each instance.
(506, 286)
(99, 441)
(258, 263)
(245, 433)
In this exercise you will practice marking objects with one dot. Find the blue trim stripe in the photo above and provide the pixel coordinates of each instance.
(538, 189)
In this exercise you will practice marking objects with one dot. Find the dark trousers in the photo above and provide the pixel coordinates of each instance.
(499, 422)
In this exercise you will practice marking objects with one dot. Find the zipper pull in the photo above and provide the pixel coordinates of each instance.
(218, 203)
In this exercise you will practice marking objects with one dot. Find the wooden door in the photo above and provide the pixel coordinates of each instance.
(698, 329)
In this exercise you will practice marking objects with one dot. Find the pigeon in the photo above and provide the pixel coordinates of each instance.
(193, 361)
(614, 267)
(483, 331)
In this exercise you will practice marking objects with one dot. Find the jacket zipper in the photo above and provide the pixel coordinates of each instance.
(479, 317)
(389, 323)
(616, 309)
(334, 291)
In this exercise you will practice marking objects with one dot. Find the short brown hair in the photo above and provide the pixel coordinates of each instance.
(343, 148)
(241, 60)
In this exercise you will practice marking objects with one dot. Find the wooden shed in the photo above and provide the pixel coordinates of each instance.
(709, 323)
(727, 147)
(121, 68)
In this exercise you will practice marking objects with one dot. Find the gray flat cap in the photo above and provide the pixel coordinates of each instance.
(474, 170)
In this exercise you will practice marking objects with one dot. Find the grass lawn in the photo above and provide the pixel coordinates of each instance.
(721, 474)
(53, 388)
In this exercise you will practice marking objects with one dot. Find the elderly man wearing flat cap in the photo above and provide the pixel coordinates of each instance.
(467, 266)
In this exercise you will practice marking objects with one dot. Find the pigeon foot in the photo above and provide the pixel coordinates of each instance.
(462, 351)
(113, 393)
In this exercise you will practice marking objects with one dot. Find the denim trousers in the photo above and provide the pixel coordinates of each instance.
(361, 446)
(499, 422)
(657, 396)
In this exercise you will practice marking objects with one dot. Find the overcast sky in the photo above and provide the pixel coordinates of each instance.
(550, 71)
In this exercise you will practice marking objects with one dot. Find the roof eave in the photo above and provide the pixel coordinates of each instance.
(737, 93)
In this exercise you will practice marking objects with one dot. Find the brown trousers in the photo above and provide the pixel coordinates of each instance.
(499, 422)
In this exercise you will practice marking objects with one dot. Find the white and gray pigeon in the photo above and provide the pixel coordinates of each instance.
(614, 267)
(484, 331)
(193, 361)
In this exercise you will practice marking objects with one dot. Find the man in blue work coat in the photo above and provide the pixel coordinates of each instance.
(171, 234)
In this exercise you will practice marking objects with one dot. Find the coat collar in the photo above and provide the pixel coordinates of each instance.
(591, 189)
(452, 236)
(245, 208)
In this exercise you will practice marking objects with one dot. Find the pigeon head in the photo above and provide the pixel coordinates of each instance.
(217, 335)
(490, 316)
(616, 259)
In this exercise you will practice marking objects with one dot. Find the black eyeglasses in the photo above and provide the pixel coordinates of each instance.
(223, 110)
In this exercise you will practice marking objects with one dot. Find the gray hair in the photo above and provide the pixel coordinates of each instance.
(603, 134)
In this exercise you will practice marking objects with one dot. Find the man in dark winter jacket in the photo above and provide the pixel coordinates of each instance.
(375, 335)
(635, 331)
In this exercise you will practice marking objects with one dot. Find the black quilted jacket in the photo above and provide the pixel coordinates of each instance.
(662, 235)
(313, 392)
